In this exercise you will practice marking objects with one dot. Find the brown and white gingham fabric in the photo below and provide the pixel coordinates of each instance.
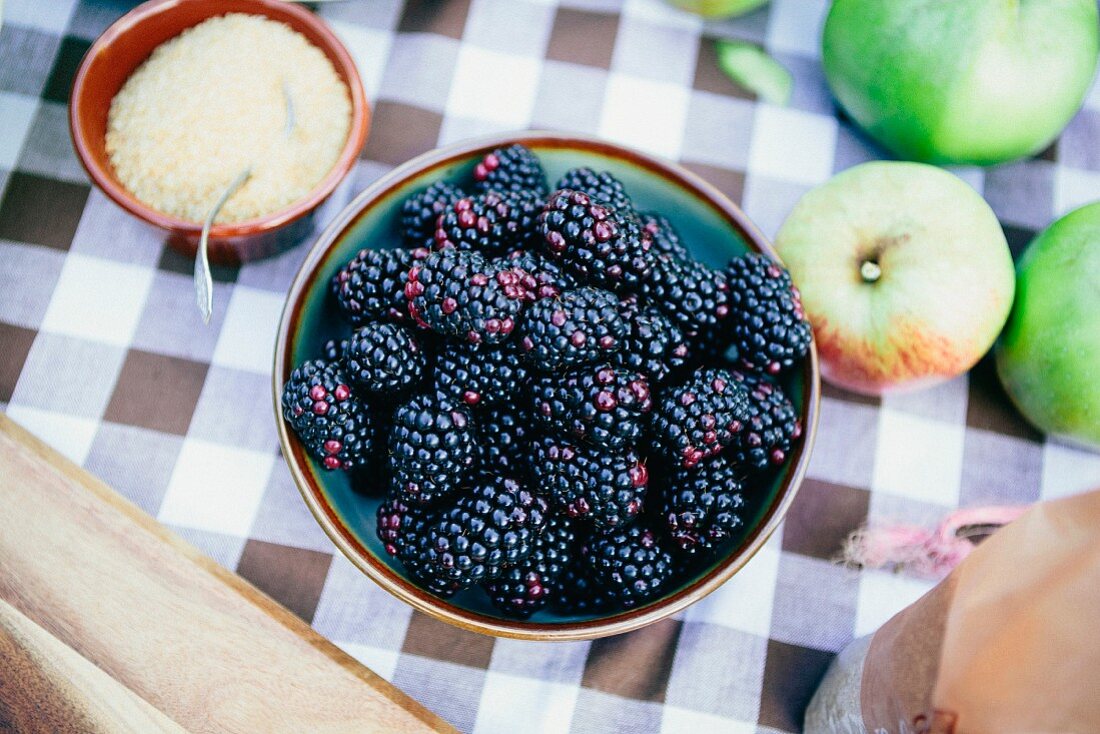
(103, 355)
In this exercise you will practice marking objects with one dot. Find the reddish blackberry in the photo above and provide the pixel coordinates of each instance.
(607, 488)
(603, 405)
(581, 326)
(491, 223)
(550, 280)
(629, 563)
(695, 297)
(432, 447)
(458, 293)
(596, 242)
(655, 346)
(772, 427)
(507, 434)
(421, 211)
(334, 426)
(602, 186)
(372, 285)
(666, 240)
(478, 374)
(514, 168)
(384, 359)
(526, 587)
(770, 329)
(491, 528)
(703, 507)
(699, 417)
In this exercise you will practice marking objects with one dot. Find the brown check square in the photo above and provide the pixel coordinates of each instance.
(582, 37)
(822, 516)
(445, 17)
(41, 211)
(430, 638)
(157, 392)
(401, 132)
(635, 665)
(15, 344)
(729, 182)
(294, 577)
(791, 675)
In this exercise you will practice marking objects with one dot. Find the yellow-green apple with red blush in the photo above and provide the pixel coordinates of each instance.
(905, 275)
(718, 8)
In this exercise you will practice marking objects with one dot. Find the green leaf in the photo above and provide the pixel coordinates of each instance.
(751, 67)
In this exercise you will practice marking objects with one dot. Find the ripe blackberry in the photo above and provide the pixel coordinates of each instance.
(699, 417)
(331, 422)
(526, 587)
(491, 223)
(514, 168)
(695, 297)
(384, 359)
(403, 529)
(602, 405)
(478, 374)
(432, 446)
(599, 244)
(550, 280)
(333, 350)
(772, 427)
(506, 434)
(605, 487)
(703, 507)
(582, 326)
(602, 186)
(421, 211)
(580, 593)
(371, 287)
(654, 346)
(629, 563)
(486, 531)
(666, 240)
(458, 293)
(770, 329)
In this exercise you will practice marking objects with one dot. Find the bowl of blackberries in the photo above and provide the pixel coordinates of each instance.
(546, 387)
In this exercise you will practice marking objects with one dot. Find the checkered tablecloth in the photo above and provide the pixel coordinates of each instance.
(103, 355)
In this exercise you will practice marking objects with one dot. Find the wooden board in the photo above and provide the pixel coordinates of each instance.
(196, 642)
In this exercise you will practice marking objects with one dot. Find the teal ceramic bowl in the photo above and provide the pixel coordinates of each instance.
(714, 229)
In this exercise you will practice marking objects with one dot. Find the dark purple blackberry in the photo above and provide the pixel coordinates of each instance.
(331, 422)
(333, 350)
(403, 529)
(601, 405)
(699, 417)
(655, 346)
(602, 186)
(772, 427)
(666, 240)
(550, 280)
(458, 293)
(770, 330)
(694, 296)
(478, 374)
(491, 223)
(507, 434)
(629, 563)
(597, 243)
(486, 531)
(580, 593)
(384, 359)
(703, 506)
(514, 168)
(372, 286)
(526, 587)
(432, 447)
(606, 488)
(580, 327)
(421, 211)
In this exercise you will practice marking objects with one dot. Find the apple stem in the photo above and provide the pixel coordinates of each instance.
(870, 271)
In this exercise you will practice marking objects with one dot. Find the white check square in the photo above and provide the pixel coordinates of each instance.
(70, 435)
(1074, 187)
(98, 300)
(792, 145)
(48, 15)
(645, 114)
(744, 602)
(383, 662)
(543, 707)
(794, 26)
(370, 48)
(882, 594)
(918, 458)
(493, 86)
(17, 112)
(676, 720)
(1068, 470)
(247, 339)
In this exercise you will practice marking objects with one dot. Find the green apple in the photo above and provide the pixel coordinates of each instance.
(718, 8)
(1049, 355)
(961, 81)
(904, 271)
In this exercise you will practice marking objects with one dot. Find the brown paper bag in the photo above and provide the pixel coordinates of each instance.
(1008, 642)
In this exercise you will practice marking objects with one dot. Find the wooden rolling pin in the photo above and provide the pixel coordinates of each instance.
(190, 645)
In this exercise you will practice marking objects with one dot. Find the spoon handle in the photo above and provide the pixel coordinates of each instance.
(204, 281)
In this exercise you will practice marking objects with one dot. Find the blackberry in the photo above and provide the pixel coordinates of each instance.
(580, 593)
(331, 422)
(604, 487)
(700, 417)
(602, 186)
(603, 405)
(506, 440)
(695, 297)
(371, 287)
(458, 293)
(491, 223)
(582, 326)
(384, 359)
(770, 330)
(629, 563)
(654, 346)
(478, 374)
(432, 447)
(514, 168)
(666, 240)
(493, 527)
(403, 529)
(334, 349)
(550, 280)
(526, 587)
(703, 507)
(421, 211)
(599, 244)
(772, 427)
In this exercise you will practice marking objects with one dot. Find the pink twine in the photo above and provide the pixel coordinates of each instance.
(929, 554)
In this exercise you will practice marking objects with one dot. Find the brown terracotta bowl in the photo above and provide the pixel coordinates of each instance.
(127, 43)
(713, 228)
